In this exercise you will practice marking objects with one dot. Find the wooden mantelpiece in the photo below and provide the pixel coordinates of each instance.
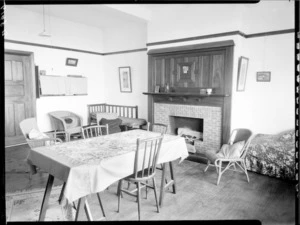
(189, 98)
(185, 94)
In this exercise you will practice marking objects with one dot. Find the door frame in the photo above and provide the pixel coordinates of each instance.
(33, 77)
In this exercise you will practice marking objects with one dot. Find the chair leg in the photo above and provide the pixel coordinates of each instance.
(245, 170)
(146, 189)
(119, 194)
(208, 163)
(155, 193)
(101, 205)
(219, 172)
(139, 198)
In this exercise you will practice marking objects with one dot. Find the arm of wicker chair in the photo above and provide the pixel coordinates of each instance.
(54, 134)
(56, 120)
(42, 142)
(80, 118)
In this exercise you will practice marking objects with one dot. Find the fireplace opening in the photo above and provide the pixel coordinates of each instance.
(189, 128)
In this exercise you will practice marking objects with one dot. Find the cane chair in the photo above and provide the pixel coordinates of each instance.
(90, 132)
(94, 131)
(30, 124)
(69, 122)
(239, 137)
(146, 155)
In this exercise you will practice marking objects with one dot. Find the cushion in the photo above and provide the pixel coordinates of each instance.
(231, 151)
(133, 122)
(34, 134)
(71, 121)
(113, 125)
(99, 115)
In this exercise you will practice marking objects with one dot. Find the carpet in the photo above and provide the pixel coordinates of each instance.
(25, 206)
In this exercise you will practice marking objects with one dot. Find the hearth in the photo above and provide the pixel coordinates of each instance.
(189, 128)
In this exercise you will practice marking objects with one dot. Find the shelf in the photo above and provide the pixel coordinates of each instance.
(178, 94)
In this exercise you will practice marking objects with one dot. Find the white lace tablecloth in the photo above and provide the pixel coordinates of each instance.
(90, 165)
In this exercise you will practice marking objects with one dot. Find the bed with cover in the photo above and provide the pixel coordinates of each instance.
(273, 155)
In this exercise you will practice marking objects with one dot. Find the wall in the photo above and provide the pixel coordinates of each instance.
(64, 34)
(129, 37)
(263, 107)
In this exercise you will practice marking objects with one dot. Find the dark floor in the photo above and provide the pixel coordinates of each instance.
(270, 200)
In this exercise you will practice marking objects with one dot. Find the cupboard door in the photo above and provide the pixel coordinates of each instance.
(217, 72)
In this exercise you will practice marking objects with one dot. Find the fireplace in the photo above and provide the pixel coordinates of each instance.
(206, 120)
(189, 128)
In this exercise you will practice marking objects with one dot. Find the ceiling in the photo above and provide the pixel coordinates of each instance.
(101, 16)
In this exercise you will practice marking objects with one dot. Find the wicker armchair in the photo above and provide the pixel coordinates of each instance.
(66, 121)
(28, 125)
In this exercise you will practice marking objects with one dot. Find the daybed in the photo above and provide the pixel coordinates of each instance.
(273, 155)
(127, 114)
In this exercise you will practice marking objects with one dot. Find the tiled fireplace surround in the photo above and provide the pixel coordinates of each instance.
(212, 121)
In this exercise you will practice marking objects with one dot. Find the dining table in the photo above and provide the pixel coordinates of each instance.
(89, 166)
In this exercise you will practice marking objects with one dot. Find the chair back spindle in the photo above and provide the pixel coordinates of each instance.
(147, 151)
(94, 131)
(157, 127)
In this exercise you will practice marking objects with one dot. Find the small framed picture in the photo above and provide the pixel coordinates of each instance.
(71, 62)
(242, 73)
(156, 90)
(263, 76)
(125, 79)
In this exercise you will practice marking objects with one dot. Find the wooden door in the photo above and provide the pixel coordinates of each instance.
(19, 95)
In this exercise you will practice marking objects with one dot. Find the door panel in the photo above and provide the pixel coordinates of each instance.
(14, 91)
(8, 72)
(19, 96)
(20, 113)
(9, 120)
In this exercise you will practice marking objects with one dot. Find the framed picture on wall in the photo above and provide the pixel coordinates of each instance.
(71, 62)
(242, 73)
(125, 79)
(263, 76)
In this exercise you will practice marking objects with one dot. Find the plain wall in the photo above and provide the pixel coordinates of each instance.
(125, 38)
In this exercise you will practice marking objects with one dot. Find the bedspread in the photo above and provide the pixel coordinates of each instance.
(273, 155)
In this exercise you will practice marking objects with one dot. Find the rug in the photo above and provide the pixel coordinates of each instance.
(25, 206)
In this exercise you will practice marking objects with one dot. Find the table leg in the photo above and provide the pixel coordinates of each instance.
(162, 186)
(172, 177)
(46, 198)
(62, 192)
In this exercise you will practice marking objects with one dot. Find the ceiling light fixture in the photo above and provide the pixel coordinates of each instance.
(44, 33)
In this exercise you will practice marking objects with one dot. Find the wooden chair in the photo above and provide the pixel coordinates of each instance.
(159, 127)
(69, 122)
(146, 155)
(217, 160)
(26, 126)
(95, 131)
